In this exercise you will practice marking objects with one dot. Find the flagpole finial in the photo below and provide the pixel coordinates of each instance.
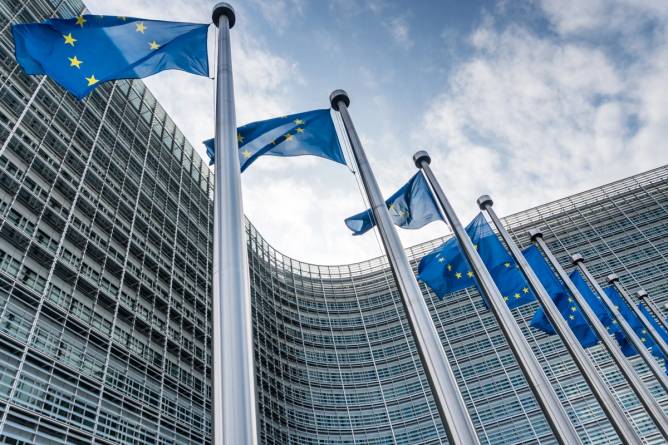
(642, 293)
(613, 277)
(485, 201)
(577, 258)
(535, 233)
(225, 9)
(339, 96)
(420, 157)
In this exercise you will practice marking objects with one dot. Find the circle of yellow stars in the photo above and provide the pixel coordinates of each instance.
(288, 137)
(75, 62)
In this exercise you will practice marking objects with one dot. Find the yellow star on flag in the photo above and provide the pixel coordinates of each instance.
(154, 45)
(572, 317)
(288, 137)
(140, 27)
(300, 130)
(506, 264)
(92, 80)
(525, 290)
(298, 122)
(441, 260)
(75, 62)
(120, 17)
(80, 21)
(240, 138)
(573, 308)
(69, 40)
(469, 274)
(505, 298)
(458, 275)
(246, 154)
(449, 267)
(517, 296)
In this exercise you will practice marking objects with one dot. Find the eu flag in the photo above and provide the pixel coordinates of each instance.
(568, 307)
(655, 324)
(595, 302)
(636, 324)
(309, 133)
(411, 207)
(82, 52)
(446, 270)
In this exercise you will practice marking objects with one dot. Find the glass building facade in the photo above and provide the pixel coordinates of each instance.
(105, 264)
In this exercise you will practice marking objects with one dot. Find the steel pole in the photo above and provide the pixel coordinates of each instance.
(628, 331)
(649, 304)
(661, 343)
(448, 398)
(609, 405)
(649, 403)
(548, 400)
(233, 378)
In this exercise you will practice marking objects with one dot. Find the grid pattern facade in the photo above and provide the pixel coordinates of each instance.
(105, 265)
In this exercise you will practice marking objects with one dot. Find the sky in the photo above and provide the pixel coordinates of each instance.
(527, 101)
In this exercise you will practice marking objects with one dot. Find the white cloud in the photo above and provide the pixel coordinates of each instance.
(400, 32)
(530, 118)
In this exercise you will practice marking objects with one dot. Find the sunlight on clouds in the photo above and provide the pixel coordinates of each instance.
(531, 118)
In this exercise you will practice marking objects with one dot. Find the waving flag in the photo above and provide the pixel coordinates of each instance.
(83, 52)
(411, 207)
(309, 133)
(446, 270)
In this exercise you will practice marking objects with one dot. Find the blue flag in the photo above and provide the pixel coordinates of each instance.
(446, 270)
(411, 207)
(309, 133)
(82, 52)
(595, 302)
(655, 324)
(562, 298)
(636, 324)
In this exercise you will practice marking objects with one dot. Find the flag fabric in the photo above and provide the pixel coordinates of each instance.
(446, 270)
(411, 207)
(655, 324)
(595, 303)
(636, 324)
(309, 133)
(83, 52)
(558, 292)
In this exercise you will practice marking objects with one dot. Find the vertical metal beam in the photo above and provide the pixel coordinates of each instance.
(233, 377)
(449, 401)
(649, 304)
(613, 279)
(610, 407)
(547, 398)
(648, 402)
(628, 331)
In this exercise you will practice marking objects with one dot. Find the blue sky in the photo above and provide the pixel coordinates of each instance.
(527, 101)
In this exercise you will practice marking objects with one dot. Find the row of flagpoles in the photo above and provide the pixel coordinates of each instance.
(506, 276)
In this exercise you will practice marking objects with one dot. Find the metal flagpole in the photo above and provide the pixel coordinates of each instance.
(649, 304)
(610, 407)
(548, 400)
(649, 403)
(661, 343)
(233, 377)
(628, 331)
(444, 388)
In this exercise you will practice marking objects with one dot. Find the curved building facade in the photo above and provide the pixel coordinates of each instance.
(105, 296)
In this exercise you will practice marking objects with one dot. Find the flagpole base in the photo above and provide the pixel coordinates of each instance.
(225, 9)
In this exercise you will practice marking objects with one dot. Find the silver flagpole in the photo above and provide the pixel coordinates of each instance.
(646, 399)
(628, 331)
(448, 398)
(548, 400)
(661, 343)
(649, 304)
(610, 407)
(233, 375)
